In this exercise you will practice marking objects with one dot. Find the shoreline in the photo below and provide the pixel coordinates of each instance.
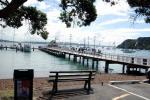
(40, 84)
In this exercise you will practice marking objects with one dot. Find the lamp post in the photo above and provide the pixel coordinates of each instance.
(88, 42)
(84, 43)
(70, 40)
(94, 44)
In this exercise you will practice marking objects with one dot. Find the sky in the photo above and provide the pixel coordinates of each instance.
(113, 25)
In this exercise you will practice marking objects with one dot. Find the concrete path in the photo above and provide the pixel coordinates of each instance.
(109, 92)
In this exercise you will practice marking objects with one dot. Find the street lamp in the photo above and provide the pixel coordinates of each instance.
(70, 40)
(88, 42)
(94, 44)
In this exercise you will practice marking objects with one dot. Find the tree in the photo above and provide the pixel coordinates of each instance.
(13, 13)
(81, 12)
(141, 8)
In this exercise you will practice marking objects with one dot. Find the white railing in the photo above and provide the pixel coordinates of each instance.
(119, 58)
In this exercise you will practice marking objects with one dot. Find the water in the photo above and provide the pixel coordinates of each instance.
(43, 63)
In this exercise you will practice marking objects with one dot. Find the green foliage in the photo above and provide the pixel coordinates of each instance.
(36, 18)
(128, 44)
(140, 43)
(142, 8)
(81, 12)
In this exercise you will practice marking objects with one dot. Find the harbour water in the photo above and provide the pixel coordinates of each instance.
(43, 63)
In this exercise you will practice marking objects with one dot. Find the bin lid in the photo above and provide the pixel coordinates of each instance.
(23, 74)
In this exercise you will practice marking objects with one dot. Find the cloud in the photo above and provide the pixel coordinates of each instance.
(40, 5)
(108, 27)
(30, 2)
(113, 21)
(120, 34)
(103, 8)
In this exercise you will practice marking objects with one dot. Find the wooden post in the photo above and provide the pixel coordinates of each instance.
(107, 67)
(16, 49)
(97, 64)
(87, 62)
(136, 69)
(69, 56)
(123, 68)
(75, 58)
(80, 59)
(33, 48)
(83, 61)
(128, 69)
(92, 63)
(146, 70)
(63, 55)
(139, 69)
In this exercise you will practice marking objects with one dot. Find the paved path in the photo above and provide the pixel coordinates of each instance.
(108, 92)
(140, 90)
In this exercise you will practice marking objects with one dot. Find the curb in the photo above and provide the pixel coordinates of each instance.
(126, 82)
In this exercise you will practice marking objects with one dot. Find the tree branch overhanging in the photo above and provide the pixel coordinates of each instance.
(11, 8)
(4, 2)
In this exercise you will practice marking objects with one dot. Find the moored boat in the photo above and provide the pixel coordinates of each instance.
(27, 48)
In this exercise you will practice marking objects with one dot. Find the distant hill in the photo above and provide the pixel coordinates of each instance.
(33, 42)
(140, 43)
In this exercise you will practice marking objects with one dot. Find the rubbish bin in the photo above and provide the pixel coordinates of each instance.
(23, 84)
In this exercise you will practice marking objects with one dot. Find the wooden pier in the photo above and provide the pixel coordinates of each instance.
(15, 48)
(132, 64)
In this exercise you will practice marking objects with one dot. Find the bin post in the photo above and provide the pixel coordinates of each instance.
(23, 84)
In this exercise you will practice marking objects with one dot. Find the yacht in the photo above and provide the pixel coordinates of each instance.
(128, 50)
(27, 48)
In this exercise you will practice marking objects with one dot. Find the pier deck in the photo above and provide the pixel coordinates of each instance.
(134, 63)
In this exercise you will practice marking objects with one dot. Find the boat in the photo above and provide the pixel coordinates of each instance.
(27, 48)
(128, 50)
(13, 46)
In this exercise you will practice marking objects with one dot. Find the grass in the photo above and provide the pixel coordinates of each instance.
(6, 94)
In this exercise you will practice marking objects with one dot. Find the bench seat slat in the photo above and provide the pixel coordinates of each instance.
(66, 79)
(72, 71)
(71, 75)
(61, 78)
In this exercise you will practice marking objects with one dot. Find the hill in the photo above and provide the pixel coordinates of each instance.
(140, 43)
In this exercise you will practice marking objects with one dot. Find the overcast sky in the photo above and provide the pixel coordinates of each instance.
(113, 25)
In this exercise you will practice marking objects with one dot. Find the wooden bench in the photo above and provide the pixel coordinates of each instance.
(69, 76)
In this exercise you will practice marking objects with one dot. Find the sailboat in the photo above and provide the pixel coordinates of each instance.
(27, 45)
(13, 46)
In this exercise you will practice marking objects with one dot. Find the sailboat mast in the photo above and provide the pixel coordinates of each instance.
(14, 36)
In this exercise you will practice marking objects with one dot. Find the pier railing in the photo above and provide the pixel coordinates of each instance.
(111, 57)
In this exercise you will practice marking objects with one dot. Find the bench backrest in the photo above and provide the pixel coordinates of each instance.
(71, 75)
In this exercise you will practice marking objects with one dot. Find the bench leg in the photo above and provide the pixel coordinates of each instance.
(85, 85)
(89, 87)
(55, 87)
